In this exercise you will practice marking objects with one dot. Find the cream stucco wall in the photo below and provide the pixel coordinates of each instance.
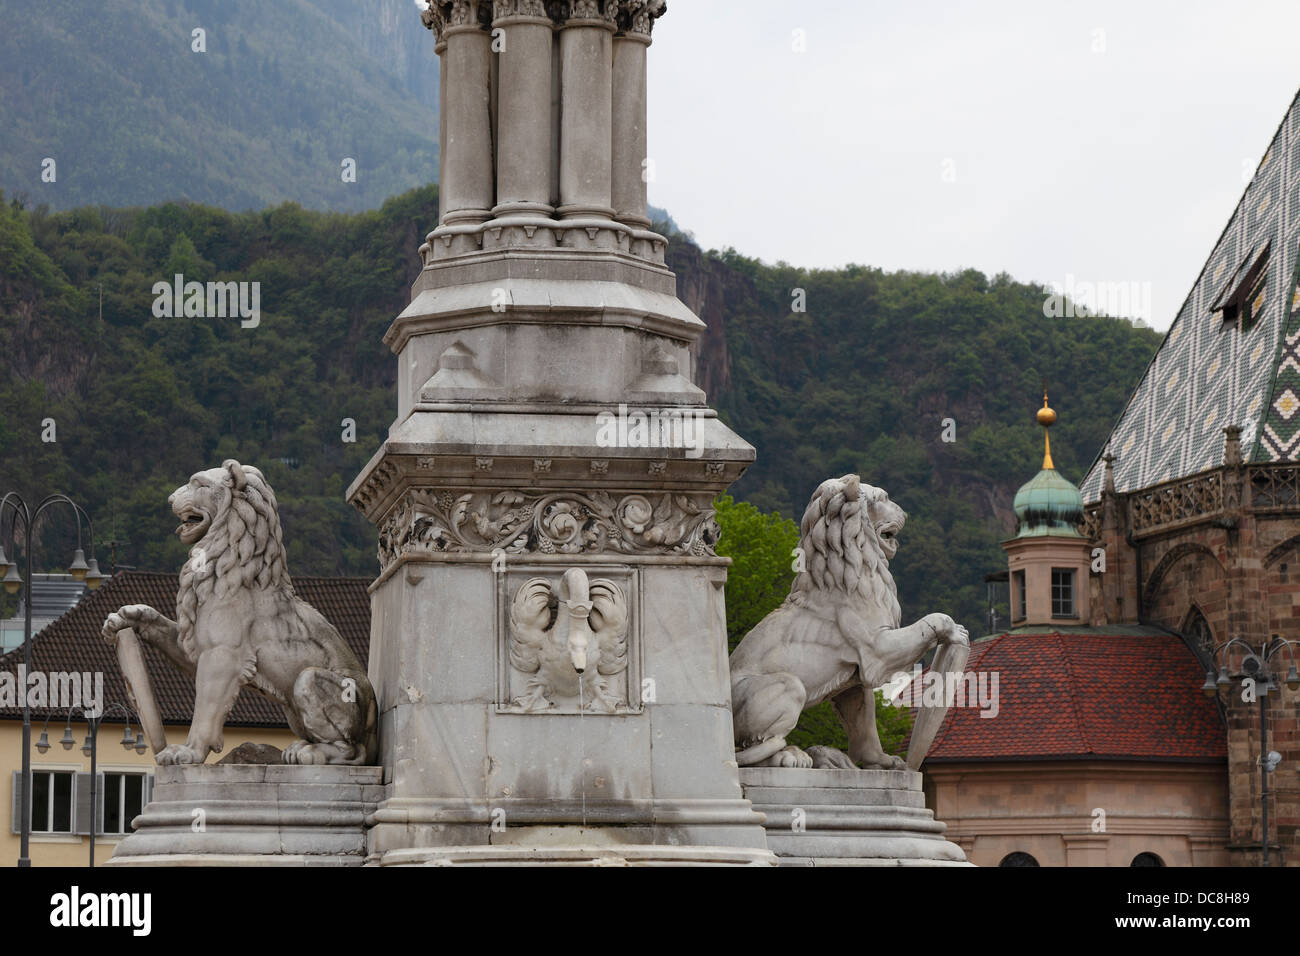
(1048, 809)
(1037, 557)
(72, 849)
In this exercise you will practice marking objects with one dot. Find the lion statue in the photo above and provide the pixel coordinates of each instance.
(837, 637)
(239, 623)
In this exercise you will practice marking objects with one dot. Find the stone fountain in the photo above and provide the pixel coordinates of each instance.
(548, 678)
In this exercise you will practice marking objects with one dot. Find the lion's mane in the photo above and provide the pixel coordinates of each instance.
(243, 548)
(842, 553)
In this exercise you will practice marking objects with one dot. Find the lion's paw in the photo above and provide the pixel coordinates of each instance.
(178, 754)
(790, 757)
(828, 758)
(886, 762)
(303, 752)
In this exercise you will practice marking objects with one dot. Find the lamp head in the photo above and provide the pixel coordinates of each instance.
(13, 580)
(78, 568)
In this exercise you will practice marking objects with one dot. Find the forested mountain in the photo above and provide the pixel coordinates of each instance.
(860, 381)
(117, 95)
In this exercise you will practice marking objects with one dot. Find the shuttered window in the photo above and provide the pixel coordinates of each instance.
(62, 801)
(53, 793)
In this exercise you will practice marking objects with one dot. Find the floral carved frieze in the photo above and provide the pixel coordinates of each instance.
(464, 521)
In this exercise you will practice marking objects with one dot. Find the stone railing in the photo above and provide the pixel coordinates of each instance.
(1090, 526)
(1174, 504)
(1273, 489)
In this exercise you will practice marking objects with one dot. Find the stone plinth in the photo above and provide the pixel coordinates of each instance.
(254, 815)
(848, 818)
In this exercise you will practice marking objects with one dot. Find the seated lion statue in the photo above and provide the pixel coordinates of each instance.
(239, 623)
(837, 637)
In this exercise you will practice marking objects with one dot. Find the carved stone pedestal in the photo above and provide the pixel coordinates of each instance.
(848, 818)
(254, 815)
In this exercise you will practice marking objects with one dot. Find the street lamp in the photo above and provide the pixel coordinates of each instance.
(1256, 667)
(90, 747)
(82, 570)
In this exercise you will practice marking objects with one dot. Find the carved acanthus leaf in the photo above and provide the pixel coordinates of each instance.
(518, 522)
(639, 16)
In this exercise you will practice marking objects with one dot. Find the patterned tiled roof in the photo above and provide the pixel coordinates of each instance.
(73, 643)
(1086, 695)
(1208, 373)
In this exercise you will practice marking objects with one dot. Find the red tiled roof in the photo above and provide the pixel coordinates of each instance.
(1092, 695)
(73, 643)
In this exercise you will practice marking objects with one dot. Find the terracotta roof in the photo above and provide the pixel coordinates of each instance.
(1086, 695)
(73, 643)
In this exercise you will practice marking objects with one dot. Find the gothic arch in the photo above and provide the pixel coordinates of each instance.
(1280, 552)
(1166, 564)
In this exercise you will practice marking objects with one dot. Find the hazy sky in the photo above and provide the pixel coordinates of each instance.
(1108, 141)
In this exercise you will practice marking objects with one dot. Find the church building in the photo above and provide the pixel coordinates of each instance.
(1150, 697)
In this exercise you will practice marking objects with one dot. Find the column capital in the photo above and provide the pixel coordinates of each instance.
(504, 9)
(636, 18)
(441, 16)
(589, 11)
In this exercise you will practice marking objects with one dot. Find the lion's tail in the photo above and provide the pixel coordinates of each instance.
(760, 751)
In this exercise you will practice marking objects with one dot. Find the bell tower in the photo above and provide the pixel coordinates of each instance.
(1048, 559)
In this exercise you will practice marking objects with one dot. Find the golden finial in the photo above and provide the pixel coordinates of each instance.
(1047, 418)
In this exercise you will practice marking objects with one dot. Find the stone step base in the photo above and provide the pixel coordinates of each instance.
(254, 815)
(577, 855)
(848, 818)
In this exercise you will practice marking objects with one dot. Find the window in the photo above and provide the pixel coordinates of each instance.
(1062, 592)
(1018, 859)
(1147, 859)
(1020, 595)
(122, 800)
(1243, 298)
(52, 801)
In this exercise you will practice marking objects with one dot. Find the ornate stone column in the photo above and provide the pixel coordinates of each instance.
(636, 20)
(523, 108)
(586, 120)
(466, 188)
(510, 476)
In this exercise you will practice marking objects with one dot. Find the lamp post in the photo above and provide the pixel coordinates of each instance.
(80, 570)
(90, 747)
(1257, 667)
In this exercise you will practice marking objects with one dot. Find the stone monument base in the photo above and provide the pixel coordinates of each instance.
(254, 815)
(848, 818)
(572, 850)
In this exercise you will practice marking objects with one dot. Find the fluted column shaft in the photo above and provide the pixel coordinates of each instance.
(586, 120)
